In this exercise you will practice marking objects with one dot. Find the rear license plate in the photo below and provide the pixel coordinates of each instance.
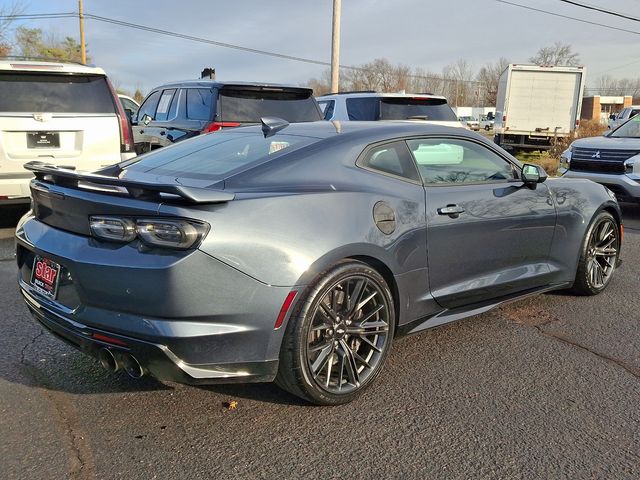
(44, 276)
(43, 140)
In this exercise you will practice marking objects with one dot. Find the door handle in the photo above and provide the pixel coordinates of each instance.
(452, 210)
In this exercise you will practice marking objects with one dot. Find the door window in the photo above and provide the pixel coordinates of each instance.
(446, 161)
(149, 106)
(162, 112)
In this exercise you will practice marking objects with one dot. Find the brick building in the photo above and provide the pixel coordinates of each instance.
(598, 107)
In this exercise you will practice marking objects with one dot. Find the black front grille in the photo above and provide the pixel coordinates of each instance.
(600, 160)
(594, 166)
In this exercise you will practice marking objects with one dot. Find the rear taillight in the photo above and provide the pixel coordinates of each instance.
(126, 134)
(215, 126)
(173, 233)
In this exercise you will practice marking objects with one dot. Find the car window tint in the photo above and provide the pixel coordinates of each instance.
(391, 158)
(458, 161)
(38, 92)
(408, 108)
(327, 106)
(249, 105)
(173, 109)
(367, 108)
(214, 156)
(149, 105)
(162, 112)
(199, 103)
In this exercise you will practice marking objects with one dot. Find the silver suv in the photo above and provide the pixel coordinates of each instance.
(612, 160)
(59, 113)
(371, 105)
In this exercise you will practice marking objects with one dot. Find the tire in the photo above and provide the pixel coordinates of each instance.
(598, 255)
(339, 335)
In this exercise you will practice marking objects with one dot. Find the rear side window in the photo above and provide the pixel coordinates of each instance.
(214, 156)
(248, 106)
(32, 92)
(199, 103)
(149, 105)
(392, 159)
(363, 108)
(326, 107)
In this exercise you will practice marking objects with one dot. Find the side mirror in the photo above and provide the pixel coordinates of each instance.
(533, 174)
(612, 116)
(146, 119)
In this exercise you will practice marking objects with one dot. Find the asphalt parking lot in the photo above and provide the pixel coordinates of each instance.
(547, 387)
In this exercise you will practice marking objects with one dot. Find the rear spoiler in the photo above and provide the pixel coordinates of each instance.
(66, 177)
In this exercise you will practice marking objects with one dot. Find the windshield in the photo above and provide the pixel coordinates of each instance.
(217, 156)
(249, 106)
(631, 129)
(39, 92)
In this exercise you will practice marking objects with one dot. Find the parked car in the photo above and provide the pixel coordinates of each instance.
(470, 122)
(370, 105)
(612, 160)
(129, 104)
(486, 123)
(61, 113)
(180, 110)
(299, 252)
(615, 120)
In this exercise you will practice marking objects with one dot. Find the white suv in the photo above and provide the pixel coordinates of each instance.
(387, 106)
(64, 114)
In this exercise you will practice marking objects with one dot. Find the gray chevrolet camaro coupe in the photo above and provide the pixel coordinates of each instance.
(296, 253)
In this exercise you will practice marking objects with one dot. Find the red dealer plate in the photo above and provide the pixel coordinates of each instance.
(44, 276)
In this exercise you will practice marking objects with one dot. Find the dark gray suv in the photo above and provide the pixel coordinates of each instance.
(181, 110)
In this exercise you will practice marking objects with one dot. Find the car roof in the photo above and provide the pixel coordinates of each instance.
(378, 94)
(48, 67)
(366, 130)
(206, 83)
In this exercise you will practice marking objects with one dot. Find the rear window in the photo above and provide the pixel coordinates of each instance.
(399, 108)
(216, 156)
(248, 106)
(31, 92)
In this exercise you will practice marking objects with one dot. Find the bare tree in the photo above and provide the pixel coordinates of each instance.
(488, 78)
(557, 54)
(459, 84)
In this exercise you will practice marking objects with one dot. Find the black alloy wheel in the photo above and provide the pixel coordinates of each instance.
(337, 343)
(599, 256)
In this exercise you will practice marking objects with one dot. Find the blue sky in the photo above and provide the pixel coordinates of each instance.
(427, 34)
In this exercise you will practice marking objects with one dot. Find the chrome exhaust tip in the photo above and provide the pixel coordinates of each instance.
(132, 366)
(108, 360)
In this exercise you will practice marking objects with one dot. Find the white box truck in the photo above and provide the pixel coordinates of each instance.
(536, 104)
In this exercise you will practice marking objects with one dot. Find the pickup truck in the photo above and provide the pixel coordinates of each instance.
(624, 115)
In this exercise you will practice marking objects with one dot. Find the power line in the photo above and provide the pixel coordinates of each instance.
(568, 17)
(602, 10)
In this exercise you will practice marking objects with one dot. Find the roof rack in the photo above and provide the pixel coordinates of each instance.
(65, 177)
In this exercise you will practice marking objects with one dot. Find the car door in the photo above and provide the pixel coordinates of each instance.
(141, 133)
(488, 234)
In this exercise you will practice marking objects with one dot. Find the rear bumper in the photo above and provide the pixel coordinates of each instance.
(185, 316)
(625, 186)
(155, 358)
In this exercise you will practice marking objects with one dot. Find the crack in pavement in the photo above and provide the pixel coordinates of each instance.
(635, 371)
(539, 318)
(80, 457)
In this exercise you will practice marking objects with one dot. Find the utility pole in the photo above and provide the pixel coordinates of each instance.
(83, 47)
(335, 47)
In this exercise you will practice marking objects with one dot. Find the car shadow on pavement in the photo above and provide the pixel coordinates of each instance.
(262, 392)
